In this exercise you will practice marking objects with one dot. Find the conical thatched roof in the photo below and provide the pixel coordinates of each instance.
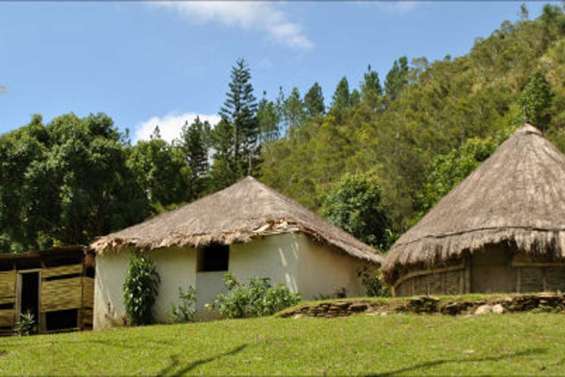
(238, 213)
(516, 196)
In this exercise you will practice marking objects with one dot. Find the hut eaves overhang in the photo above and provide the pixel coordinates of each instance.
(244, 211)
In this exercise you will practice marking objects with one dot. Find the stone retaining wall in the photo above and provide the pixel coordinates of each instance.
(543, 302)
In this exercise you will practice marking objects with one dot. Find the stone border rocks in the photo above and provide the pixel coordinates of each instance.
(540, 302)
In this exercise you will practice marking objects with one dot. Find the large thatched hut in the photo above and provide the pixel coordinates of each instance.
(500, 230)
(247, 229)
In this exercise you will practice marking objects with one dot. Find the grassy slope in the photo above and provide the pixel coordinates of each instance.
(522, 344)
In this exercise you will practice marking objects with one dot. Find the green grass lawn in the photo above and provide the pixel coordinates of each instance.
(509, 344)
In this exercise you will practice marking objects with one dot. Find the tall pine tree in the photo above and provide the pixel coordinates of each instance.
(396, 78)
(268, 118)
(314, 101)
(194, 143)
(223, 172)
(294, 111)
(342, 97)
(239, 110)
(371, 90)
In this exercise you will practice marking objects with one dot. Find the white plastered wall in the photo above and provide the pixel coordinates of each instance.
(276, 257)
(176, 267)
(293, 259)
(324, 269)
(303, 265)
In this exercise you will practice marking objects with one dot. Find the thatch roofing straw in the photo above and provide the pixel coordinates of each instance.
(238, 213)
(517, 196)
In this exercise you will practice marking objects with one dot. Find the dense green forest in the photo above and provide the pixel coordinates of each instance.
(373, 158)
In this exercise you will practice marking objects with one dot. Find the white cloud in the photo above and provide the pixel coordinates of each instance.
(249, 15)
(170, 125)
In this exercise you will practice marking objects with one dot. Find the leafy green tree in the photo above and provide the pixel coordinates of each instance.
(239, 110)
(451, 168)
(97, 191)
(355, 204)
(314, 101)
(536, 101)
(160, 170)
(66, 182)
(396, 78)
(194, 143)
(552, 23)
(20, 151)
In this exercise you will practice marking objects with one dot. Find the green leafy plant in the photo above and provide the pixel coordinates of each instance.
(258, 298)
(140, 289)
(337, 293)
(373, 283)
(185, 310)
(26, 325)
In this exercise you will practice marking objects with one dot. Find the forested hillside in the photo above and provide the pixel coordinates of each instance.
(372, 157)
(432, 122)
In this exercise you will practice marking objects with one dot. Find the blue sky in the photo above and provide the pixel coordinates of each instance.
(146, 63)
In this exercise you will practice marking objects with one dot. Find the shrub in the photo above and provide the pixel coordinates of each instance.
(337, 293)
(186, 309)
(140, 289)
(257, 298)
(373, 283)
(25, 325)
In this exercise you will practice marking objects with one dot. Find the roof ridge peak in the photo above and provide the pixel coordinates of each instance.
(527, 128)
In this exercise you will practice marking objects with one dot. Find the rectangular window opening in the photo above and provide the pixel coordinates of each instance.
(61, 320)
(214, 257)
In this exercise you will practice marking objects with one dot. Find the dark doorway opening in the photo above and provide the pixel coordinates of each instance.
(61, 320)
(29, 299)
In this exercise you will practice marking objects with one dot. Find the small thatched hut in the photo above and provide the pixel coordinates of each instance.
(500, 230)
(56, 286)
(247, 229)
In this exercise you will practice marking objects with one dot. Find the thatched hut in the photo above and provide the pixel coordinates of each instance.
(247, 229)
(56, 286)
(500, 230)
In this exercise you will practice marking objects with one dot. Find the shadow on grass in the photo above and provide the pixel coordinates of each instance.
(418, 367)
(173, 370)
(122, 344)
